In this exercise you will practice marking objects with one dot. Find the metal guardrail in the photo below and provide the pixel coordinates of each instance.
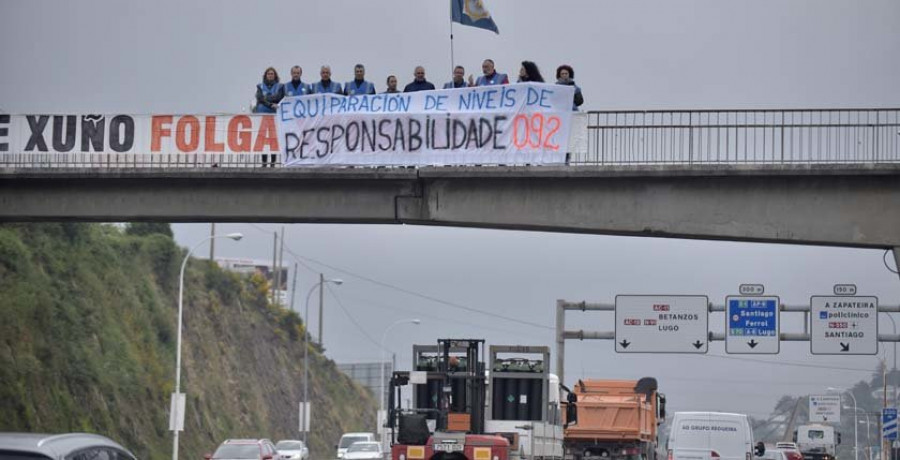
(627, 137)
(137, 160)
(702, 137)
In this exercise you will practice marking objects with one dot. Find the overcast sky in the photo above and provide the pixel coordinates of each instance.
(206, 56)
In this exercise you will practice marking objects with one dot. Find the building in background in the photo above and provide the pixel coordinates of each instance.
(263, 268)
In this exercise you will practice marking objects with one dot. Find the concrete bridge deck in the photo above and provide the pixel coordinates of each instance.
(847, 205)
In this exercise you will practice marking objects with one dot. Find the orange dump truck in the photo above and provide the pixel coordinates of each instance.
(613, 419)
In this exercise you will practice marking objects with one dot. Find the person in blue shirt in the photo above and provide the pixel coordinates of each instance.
(296, 87)
(565, 75)
(359, 85)
(458, 81)
(491, 76)
(391, 84)
(420, 83)
(268, 93)
(326, 85)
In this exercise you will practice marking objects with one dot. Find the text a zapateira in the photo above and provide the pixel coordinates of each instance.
(851, 305)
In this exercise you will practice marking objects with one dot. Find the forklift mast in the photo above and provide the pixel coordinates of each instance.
(448, 382)
(463, 390)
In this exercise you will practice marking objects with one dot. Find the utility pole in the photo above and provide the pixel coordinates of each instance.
(885, 444)
(294, 289)
(212, 241)
(321, 303)
(280, 267)
(274, 263)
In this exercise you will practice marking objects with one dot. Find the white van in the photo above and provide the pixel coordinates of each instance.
(712, 436)
(349, 438)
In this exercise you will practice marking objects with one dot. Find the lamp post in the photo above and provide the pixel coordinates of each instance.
(868, 444)
(885, 444)
(319, 285)
(894, 370)
(381, 382)
(855, 420)
(175, 406)
(894, 327)
(868, 435)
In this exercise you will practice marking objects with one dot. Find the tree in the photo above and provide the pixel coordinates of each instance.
(149, 228)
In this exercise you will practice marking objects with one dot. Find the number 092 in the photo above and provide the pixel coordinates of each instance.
(535, 131)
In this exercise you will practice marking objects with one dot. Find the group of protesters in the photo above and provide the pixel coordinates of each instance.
(271, 91)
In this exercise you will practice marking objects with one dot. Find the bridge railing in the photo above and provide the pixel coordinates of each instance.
(688, 137)
(134, 160)
(625, 137)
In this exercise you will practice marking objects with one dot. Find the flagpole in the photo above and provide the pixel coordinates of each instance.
(451, 38)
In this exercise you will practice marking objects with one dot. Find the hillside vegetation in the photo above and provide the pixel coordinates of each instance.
(87, 343)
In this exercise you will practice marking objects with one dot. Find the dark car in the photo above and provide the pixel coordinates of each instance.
(241, 449)
(69, 446)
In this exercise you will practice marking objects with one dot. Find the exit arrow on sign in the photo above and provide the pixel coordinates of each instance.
(625, 343)
(752, 324)
(698, 344)
(845, 346)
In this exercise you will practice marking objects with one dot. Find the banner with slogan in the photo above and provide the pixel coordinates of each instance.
(138, 134)
(509, 124)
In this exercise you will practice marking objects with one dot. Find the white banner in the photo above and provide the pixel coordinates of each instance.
(138, 134)
(509, 124)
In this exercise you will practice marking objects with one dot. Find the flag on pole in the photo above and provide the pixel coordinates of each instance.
(472, 13)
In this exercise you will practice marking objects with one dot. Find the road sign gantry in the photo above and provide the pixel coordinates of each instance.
(584, 306)
(562, 306)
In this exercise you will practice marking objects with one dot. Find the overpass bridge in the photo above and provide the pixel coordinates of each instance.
(826, 176)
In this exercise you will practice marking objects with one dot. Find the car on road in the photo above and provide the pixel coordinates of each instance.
(787, 445)
(364, 451)
(68, 446)
(290, 449)
(349, 438)
(790, 449)
(244, 449)
(774, 454)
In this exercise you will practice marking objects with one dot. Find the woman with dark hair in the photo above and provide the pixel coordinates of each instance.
(565, 75)
(529, 72)
(269, 93)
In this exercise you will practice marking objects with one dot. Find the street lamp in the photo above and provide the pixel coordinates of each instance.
(381, 384)
(868, 447)
(175, 406)
(894, 327)
(319, 285)
(855, 420)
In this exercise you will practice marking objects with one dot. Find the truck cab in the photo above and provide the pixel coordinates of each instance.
(817, 441)
(613, 419)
